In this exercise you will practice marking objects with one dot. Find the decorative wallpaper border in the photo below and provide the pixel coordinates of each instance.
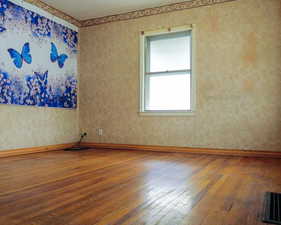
(126, 16)
(151, 11)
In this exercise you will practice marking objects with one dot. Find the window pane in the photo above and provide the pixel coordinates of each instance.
(168, 92)
(169, 52)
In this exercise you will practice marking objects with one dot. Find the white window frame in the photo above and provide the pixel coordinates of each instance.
(143, 63)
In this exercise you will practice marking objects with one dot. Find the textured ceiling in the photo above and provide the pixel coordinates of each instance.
(88, 9)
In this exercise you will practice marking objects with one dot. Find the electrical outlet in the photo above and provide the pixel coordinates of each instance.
(100, 131)
(84, 134)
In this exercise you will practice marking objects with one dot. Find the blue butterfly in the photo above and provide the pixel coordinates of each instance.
(19, 58)
(56, 57)
(2, 29)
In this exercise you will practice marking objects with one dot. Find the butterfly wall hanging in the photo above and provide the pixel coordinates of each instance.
(19, 58)
(38, 58)
(56, 57)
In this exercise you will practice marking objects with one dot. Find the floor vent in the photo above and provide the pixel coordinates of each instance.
(272, 208)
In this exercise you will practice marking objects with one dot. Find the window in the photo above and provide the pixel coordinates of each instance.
(167, 77)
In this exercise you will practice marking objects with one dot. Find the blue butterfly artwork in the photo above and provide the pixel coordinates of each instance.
(38, 58)
(56, 57)
(20, 57)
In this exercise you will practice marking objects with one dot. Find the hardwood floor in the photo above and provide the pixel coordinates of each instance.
(112, 187)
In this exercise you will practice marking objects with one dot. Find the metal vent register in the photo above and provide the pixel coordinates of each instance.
(272, 208)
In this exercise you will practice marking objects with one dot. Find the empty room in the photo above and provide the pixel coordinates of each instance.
(146, 112)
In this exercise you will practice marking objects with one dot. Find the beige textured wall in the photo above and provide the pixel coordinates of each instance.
(238, 79)
(23, 126)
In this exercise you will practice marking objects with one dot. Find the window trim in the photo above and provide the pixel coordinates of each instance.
(143, 73)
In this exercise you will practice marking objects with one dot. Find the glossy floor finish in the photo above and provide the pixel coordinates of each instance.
(107, 187)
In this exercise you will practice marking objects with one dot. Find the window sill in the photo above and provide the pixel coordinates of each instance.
(190, 113)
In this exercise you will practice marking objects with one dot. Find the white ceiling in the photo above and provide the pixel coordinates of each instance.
(88, 9)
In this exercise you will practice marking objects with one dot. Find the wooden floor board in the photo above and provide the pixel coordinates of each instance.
(123, 187)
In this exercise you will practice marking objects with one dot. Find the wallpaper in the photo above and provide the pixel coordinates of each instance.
(238, 73)
(151, 11)
(38, 59)
(55, 12)
(22, 125)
